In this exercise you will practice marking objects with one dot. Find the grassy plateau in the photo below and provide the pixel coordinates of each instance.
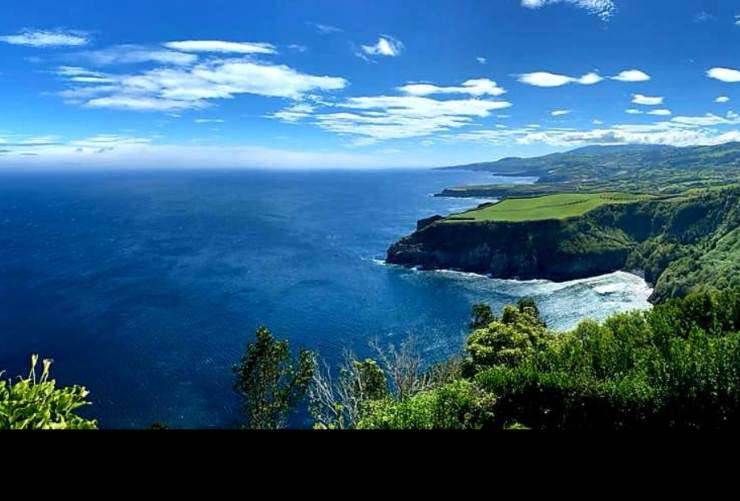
(560, 206)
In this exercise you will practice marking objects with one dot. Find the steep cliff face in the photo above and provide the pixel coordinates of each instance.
(556, 250)
(666, 240)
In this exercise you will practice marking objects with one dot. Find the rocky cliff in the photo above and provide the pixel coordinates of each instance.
(655, 237)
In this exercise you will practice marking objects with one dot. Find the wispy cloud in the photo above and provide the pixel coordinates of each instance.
(208, 120)
(475, 87)
(605, 9)
(48, 38)
(221, 46)
(326, 29)
(728, 75)
(482, 60)
(679, 131)
(378, 118)
(196, 86)
(660, 112)
(647, 100)
(560, 113)
(133, 54)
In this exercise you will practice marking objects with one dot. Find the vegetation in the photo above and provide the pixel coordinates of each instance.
(682, 243)
(657, 170)
(271, 382)
(35, 403)
(560, 206)
(675, 367)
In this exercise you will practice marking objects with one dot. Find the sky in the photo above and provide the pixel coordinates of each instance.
(358, 84)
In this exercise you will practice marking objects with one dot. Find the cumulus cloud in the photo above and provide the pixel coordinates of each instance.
(605, 9)
(482, 60)
(46, 38)
(728, 75)
(475, 87)
(546, 79)
(387, 46)
(647, 100)
(221, 46)
(660, 113)
(632, 76)
(722, 99)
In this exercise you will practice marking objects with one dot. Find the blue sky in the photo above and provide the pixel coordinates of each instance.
(352, 83)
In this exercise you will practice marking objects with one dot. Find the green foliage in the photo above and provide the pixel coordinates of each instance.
(37, 404)
(482, 316)
(457, 405)
(271, 382)
(508, 341)
(371, 379)
(673, 367)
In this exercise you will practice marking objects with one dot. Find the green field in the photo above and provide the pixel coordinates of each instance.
(560, 206)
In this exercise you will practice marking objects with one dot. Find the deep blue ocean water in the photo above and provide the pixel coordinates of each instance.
(145, 286)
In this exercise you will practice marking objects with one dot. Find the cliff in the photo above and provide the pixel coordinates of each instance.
(680, 245)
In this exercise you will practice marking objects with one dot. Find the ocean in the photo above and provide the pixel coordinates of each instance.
(145, 286)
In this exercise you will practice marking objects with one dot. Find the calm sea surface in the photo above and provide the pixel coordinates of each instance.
(145, 286)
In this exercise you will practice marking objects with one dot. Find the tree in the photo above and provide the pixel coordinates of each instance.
(341, 404)
(37, 404)
(271, 382)
(508, 341)
(482, 316)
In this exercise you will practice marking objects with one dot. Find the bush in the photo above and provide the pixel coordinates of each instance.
(454, 406)
(37, 404)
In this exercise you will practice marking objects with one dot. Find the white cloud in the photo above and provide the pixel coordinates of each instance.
(647, 100)
(632, 76)
(47, 38)
(134, 54)
(737, 20)
(709, 119)
(475, 87)
(546, 79)
(633, 111)
(661, 113)
(598, 122)
(221, 46)
(378, 118)
(180, 88)
(208, 120)
(722, 99)
(387, 46)
(294, 113)
(482, 60)
(724, 74)
(560, 113)
(602, 8)
(298, 48)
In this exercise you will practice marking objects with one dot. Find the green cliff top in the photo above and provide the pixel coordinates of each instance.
(559, 206)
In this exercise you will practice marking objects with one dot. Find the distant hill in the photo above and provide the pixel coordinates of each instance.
(644, 168)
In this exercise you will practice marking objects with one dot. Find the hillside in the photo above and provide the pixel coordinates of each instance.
(680, 244)
(645, 169)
